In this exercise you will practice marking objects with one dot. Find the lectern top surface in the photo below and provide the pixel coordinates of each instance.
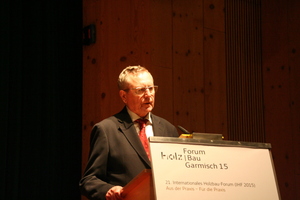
(210, 142)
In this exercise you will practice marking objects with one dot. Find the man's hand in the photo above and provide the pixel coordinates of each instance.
(114, 193)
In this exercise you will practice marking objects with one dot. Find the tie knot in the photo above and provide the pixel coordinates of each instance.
(142, 122)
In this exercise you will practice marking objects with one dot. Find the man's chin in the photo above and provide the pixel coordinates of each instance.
(149, 107)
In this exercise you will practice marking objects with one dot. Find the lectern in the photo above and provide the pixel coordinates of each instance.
(141, 187)
(187, 168)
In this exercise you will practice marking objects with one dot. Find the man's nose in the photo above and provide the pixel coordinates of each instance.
(147, 92)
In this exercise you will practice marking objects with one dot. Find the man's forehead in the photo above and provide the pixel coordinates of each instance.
(144, 76)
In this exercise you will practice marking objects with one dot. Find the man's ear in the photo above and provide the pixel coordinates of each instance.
(123, 96)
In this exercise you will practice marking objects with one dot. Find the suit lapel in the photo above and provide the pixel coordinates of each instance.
(129, 131)
(158, 129)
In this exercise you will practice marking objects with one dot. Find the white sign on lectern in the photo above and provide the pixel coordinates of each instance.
(212, 170)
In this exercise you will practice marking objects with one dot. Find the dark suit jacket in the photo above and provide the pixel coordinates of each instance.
(117, 154)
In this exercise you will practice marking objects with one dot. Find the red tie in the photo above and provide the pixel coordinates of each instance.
(143, 136)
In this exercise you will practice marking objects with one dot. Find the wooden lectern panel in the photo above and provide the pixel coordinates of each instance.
(140, 188)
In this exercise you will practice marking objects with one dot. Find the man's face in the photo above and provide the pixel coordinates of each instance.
(140, 104)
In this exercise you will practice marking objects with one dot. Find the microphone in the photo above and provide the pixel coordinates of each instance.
(186, 133)
(184, 130)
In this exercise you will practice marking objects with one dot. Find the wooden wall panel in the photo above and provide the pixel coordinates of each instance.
(214, 15)
(276, 93)
(215, 82)
(244, 76)
(281, 90)
(161, 33)
(188, 67)
(160, 29)
(215, 68)
(294, 60)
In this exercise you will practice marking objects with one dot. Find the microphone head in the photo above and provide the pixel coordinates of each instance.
(183, 130)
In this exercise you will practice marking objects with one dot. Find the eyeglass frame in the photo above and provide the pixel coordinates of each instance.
(142, 90)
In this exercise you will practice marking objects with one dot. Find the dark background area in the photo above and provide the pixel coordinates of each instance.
(41, 95)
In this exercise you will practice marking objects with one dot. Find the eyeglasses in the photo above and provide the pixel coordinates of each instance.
(142, 90)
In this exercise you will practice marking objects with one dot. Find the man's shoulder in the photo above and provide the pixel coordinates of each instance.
(159, 119)
(119, 117)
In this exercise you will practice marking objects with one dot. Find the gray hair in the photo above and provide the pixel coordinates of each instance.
(130, 70)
